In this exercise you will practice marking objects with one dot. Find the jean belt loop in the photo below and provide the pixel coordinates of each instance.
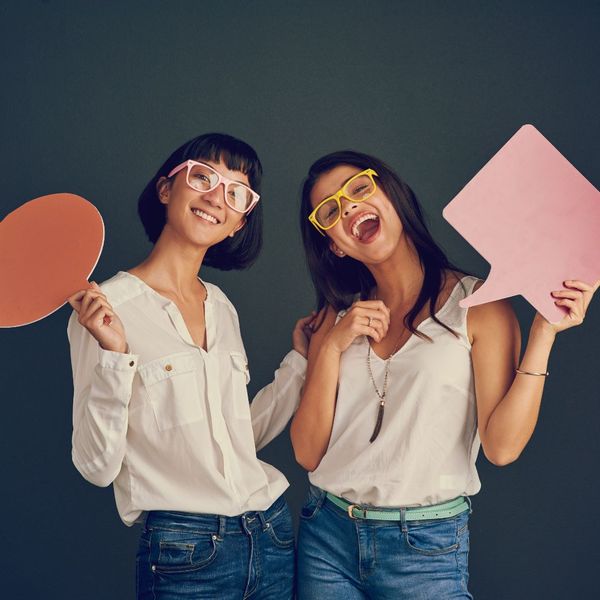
(262, 519)
(403, 519)
(469, 503)
(222, 527)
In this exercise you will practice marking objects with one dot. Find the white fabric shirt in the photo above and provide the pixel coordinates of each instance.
(170, 424)
(426, 450)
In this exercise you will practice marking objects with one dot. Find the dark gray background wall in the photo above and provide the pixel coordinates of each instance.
(97, 94)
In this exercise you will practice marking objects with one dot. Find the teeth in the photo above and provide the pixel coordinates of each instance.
(360, 220)
(204, 215)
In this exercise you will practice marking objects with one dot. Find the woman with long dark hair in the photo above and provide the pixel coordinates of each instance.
(160, 404)
(403, 386)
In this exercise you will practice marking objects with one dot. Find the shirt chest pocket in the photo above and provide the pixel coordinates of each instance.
(240, 377)
(172, 386)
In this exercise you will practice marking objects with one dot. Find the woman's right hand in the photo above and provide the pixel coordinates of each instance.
(92, 308)
(365, 317)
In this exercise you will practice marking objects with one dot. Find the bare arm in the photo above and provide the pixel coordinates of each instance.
(508, 405)
(311, 427)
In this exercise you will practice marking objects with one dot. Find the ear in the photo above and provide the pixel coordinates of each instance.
(336, 250)
(238, 227)
(163, 187)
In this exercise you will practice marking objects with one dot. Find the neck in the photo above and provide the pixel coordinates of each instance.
(173, 265)
(400, 277)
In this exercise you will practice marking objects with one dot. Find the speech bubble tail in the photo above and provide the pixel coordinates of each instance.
(494, 288)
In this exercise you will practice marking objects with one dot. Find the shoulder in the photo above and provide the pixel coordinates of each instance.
(456, 286)
(118, 289)
(453, 278)
(491, 320)
(217, 296)
(121, 287)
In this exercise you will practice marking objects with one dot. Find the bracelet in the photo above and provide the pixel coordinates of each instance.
(532, 373)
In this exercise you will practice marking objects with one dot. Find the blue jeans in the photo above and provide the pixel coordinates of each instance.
(185, 555)
(339, 557)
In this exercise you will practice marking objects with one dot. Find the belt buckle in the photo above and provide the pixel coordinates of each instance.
(351, 507)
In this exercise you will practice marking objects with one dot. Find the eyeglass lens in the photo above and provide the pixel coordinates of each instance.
(205, 179)
(357, 190)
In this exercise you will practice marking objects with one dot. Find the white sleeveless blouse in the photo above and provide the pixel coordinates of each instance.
(428, 444)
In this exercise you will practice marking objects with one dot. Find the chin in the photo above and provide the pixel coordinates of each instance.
(203, 241)
(377, 253)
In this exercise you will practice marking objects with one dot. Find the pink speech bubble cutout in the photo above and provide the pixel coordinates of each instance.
(48, 248)
(534, 218)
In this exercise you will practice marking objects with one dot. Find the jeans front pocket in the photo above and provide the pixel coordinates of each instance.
(172, 387)
(281, 529)
(182, 552)
(313, 503)
(432, 538)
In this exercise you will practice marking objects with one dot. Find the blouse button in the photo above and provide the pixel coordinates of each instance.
(168, 367)
(131, 363)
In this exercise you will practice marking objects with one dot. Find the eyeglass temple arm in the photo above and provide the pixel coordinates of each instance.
(179, 168)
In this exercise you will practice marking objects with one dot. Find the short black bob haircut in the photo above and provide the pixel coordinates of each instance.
(239, 251)
(337, 281)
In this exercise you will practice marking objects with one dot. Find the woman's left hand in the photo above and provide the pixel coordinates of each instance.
(302, 334)
(576, 299)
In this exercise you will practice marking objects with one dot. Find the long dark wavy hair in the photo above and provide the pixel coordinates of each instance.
(337, 281)
(238, 252)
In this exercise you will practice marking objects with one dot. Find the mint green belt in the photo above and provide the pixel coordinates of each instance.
(419, 513)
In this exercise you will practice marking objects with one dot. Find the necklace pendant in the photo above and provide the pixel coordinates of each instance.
(379, 421)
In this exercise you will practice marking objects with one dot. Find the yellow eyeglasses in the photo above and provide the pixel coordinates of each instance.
(357, 189)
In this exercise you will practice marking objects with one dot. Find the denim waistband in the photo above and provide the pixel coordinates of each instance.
(210, 523)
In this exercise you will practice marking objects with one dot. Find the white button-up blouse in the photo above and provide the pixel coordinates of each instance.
(170, 424)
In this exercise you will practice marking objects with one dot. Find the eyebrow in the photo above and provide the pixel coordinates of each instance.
(341, 186)
(215, 168)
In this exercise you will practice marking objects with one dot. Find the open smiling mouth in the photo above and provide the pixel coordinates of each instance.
(205, 216)
(366, 227)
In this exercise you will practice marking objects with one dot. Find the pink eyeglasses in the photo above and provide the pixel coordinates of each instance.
(203, 178)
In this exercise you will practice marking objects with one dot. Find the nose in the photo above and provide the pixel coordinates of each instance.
(347, 206)
(216, 197)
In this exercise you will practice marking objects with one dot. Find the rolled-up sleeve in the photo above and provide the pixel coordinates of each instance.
(102, 384)
(275, 404)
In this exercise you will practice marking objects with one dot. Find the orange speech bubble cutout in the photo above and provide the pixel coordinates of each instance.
(534, 218)
(48, 248)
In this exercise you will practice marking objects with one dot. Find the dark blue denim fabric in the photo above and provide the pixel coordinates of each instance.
(339, 557)
(183, 555)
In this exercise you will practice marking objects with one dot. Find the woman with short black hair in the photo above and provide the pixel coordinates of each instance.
(160, 404)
